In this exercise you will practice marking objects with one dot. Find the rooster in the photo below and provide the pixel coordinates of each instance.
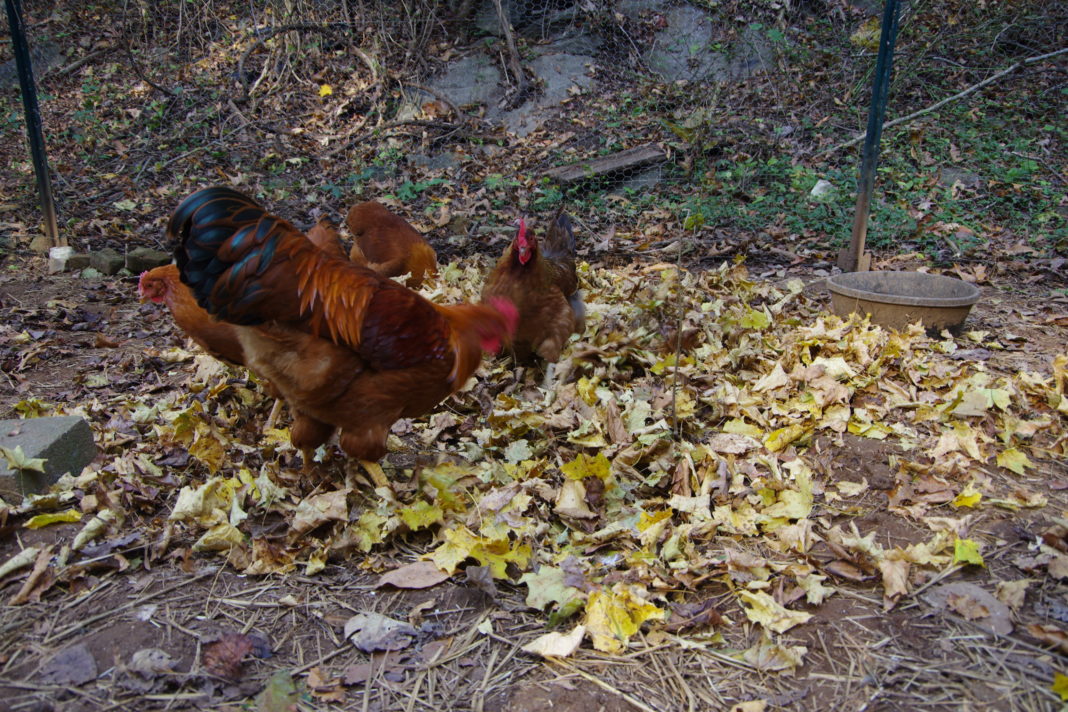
(219, 339)
(387, 244)
(349, 349)
(540, 279)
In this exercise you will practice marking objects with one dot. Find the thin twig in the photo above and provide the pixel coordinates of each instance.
(602, 684)
(77, 625)
(938, 105)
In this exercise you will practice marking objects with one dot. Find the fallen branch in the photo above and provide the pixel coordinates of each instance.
(938, 105)
(523, 86)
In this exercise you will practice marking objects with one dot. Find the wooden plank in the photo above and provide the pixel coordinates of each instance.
(636, 157)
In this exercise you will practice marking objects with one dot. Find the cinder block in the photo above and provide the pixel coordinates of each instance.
(65, 442)
(106, 260)
(140, 259)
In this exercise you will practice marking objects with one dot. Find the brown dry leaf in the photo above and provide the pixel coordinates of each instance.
(557, 645)
(895, 580)
(845, 570)
(358, 673)
(421, 574)
(1012, 593)
(617, 431)
(973, 603)
(321, 508)
(225, 656)
(571, 501)
(371, 632)
(329, 690)
(1050, 635)
(967, 606)
(732, 443)
(701, 614)
(37, 582)
(1058, 567)
(71, 666)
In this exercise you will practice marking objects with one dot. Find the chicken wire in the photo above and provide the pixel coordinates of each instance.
(462, 113)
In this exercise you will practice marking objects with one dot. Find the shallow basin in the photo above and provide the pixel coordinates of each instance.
(897, 299)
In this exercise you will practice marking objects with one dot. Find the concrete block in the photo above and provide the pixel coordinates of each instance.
(65, 442)
(77, 262)
(57, 259)
(145, 258)
(106, 261)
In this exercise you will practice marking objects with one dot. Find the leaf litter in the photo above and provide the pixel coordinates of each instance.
(644, 481)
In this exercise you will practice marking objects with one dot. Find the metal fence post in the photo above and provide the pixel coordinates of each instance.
(33, 119)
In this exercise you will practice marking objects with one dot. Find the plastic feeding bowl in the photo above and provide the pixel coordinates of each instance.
(897, 299)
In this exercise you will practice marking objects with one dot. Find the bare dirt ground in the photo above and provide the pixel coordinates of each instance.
(80, 645)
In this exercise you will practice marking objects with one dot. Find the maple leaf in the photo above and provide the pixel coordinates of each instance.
(1013, 459)
(966, 551)
(614, 615)
(17, 459)
(771, 614)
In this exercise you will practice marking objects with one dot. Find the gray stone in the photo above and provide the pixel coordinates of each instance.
(751, 54)
(65, 442)
(645, 178)
(950, 175)
(77, 261)
(474, 79)
(558, 73)
(145, 258)
(633, 9)
(106, 261)
(682, 50)
(40, 244)
(442, 161)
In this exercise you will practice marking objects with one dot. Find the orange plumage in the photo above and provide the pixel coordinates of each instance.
(325, 236)
(347, 347)
(540, 279)
(387, 244)
(162, 285)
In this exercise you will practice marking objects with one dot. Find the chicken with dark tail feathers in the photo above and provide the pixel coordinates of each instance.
(347, 348)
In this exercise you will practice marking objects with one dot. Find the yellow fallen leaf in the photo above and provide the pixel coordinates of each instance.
(614, 615)
(325, 90)
(966, 551)
(585, 466)
(43, 520)
(1015, 460)
(20, 560)
(778, 439)
(771, 614)
(776, 379)
(969, 497)
(221, 537)
(737, 426)
(1060, 685)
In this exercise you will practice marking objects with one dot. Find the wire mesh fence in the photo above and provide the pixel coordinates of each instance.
(644, 116)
